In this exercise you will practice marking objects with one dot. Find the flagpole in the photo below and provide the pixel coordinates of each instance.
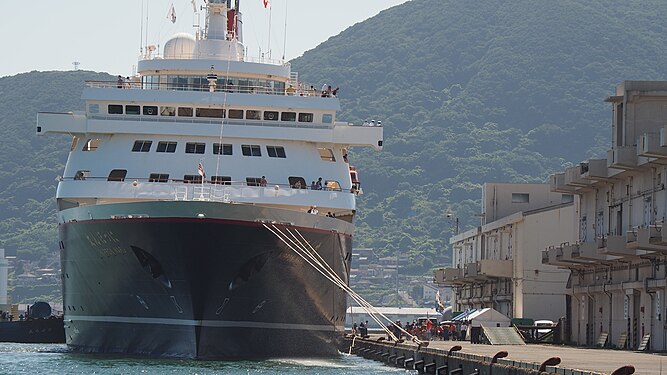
(269, 47)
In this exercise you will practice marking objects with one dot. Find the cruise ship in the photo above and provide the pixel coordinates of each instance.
(206, 208)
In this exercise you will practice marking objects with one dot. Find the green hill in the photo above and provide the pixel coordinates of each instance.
(468, 92)
(471, 92)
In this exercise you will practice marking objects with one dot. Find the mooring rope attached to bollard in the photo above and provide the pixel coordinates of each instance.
(316, 261)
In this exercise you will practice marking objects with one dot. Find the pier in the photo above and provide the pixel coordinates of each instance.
(445, 357)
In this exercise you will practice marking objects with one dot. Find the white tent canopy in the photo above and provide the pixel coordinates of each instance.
(487, 317)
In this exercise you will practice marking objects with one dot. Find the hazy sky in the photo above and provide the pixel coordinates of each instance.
(106, 35)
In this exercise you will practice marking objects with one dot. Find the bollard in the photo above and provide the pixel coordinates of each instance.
(501, 354)
(419, 366)
(625, 370)
(553, 361)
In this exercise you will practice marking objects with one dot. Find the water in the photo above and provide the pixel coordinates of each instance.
(56, 359)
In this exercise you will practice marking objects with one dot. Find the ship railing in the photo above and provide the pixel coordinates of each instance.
(218, 121)
(209, 191)
(301, 90)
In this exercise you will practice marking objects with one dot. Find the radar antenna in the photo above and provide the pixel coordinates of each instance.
(76, 64)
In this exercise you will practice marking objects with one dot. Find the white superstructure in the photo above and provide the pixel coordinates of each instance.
(260, 135)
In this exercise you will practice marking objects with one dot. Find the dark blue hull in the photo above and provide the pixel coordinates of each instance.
(199, 288)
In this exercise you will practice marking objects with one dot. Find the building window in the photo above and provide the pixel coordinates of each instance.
(221, 180)
(567, 198)
(91, 145)
(276, 151)
(251, 150)
(132, 109)
(117, 175)
(236, 113)
(167, 111)
(150, 110)
(326, 154)
(158, 177)
(185, 111)
(211, 112)
(142, 146)
(115, 109)
(327, 118)
(288, 116)
(192, 179)
(166, 146)
(253, 115)
(253, 181)
(520, 198)
(305, 117)
(222, 149)
(195, 148)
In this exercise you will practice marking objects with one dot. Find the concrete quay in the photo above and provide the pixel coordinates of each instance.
(521, 359)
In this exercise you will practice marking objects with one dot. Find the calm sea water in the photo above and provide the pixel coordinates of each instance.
(56, 359)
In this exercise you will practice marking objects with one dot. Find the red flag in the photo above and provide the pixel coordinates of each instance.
(429, 324)
(200, 170)
(267, 3)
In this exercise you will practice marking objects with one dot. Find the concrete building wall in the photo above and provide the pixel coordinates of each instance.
(500, 199)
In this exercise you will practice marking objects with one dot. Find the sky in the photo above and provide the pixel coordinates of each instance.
(106, 36)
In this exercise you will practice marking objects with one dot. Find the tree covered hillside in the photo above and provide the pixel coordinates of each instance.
(470, 92)
(29, 163)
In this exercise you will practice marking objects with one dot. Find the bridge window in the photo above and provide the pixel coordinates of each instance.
(253, 115)
(211, 112)
(150, 110)
(276, 151)
(158, 177)
(142, 146)
(288, 116)
(221, 180)
(115, 109)
(305, 117)
(185, 111)
(222, 149)
(271, 115)
(251, 150)
(327, 118)
(166, 146)
(94, 108)
(236, 113)
(132, 109)
(195, 148)
(117, 175)
(167, 111)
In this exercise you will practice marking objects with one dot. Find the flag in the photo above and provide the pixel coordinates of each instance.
(438, 301)
(171, 15)
(200, 170)
(194, 5)
(429, 324)
(267, 3)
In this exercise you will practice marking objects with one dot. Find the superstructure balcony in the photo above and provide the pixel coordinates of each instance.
(448, 276)
(573, 178)
(618, 246)
(647, 238)
(557, 182)
(595, 169)
(493, 268)
(649, 145)
(623, 157)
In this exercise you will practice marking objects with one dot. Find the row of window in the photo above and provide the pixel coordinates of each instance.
(326, 154)
(201, 83)
(200, 148)
(238, 114)
(295, 182)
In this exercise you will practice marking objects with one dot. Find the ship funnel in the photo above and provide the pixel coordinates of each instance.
(4, 269)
